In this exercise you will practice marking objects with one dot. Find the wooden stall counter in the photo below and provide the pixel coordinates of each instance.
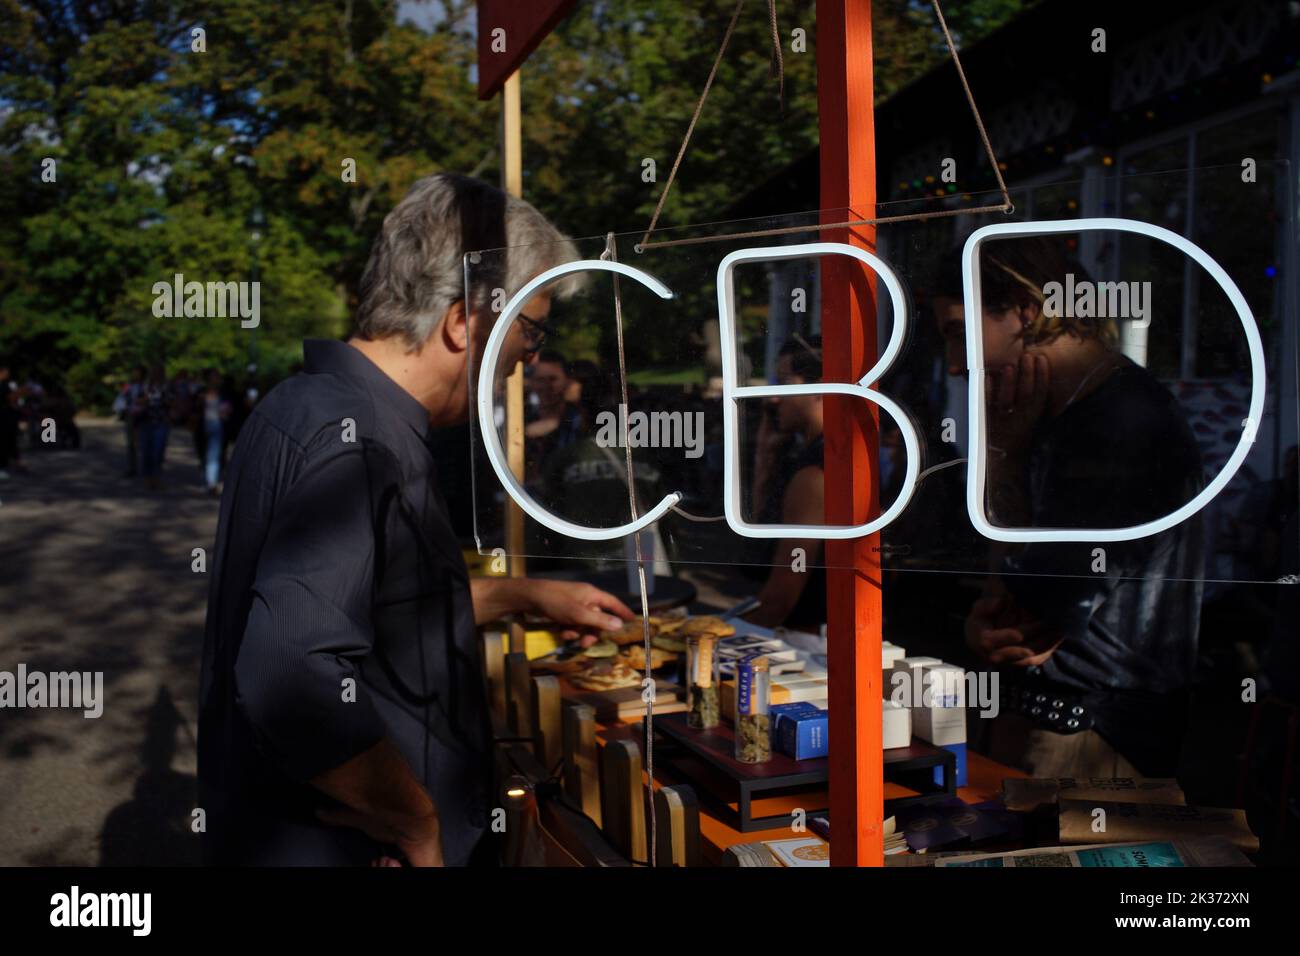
(984, 782)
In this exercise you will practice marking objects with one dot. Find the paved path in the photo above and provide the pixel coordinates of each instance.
(95, 576)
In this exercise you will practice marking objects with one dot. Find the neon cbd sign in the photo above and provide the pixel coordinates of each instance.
(733, 393)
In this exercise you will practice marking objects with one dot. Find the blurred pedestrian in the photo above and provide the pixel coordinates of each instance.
(124, 406)
(154, 408)
(214, 410)
(9, 419)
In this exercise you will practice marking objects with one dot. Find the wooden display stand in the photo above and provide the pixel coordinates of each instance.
(847, 147)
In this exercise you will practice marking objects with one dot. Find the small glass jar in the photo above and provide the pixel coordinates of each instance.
(702, 704)
(753, 727)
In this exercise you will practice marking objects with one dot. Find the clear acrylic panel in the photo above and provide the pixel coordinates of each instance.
(1113, 384)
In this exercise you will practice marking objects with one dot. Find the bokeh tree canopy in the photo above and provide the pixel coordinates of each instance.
(209, 138)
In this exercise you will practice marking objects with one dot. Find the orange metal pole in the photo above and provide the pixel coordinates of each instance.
(853, 598)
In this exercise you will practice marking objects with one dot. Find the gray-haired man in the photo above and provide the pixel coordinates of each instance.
(342, 716)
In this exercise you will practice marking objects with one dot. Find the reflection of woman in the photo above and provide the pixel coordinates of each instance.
(1080, 436)
(789, 488)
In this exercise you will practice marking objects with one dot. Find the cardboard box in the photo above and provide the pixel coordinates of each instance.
(896, 726)
(803, 735)
(891, 653)
(793, 688)
(913, 671)
(777, 711)
(940, 725)
(944, 685)
(959, 751)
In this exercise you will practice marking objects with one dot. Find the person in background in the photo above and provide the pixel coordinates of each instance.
(9, 417)
(62, 411)
(213, 411)
(154, 409)
(585, 377)
(586, 482)
(1079, 436)
(124, 406)
(789, 488)
(555, 423)
(31, 403)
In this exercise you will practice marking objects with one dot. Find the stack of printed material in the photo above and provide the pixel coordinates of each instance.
(1101, 821)
(1026, 794)
(895, 841)
(801, 851)
(1168, 853)
(749, 854)
(781, 657)
(951, 820)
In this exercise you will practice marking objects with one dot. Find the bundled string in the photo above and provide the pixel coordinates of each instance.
(776, 69)
(1006, 206)
(611, 254)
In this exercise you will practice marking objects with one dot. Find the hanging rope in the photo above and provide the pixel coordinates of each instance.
(1006, 206)
(699, 108)
(970, 98)
(611, 254)
(777, 67)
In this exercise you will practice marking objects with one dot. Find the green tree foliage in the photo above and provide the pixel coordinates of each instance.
(165, 155)
(170, 159)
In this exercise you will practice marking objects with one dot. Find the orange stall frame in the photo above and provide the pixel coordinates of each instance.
(848, 191)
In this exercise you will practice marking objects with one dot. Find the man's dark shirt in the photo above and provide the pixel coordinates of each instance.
(1119, 456)
(339, 614)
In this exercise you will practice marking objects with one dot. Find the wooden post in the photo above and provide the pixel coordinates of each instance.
(678, 813)
(519, 700)
(512, 181)
(494, 671)
(622, 797)
(546, 720)
(581, 759)
(848, 185)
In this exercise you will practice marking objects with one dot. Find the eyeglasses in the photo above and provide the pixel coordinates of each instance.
(534, 332)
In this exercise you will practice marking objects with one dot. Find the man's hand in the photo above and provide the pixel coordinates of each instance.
(580, 608)
(1002, 633)
(419, 839)
(378, 794)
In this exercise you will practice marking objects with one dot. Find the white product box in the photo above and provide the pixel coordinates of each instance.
(896, 725)
(914, 669)
(891, 653)
(940, 725)
(945, 686)
(943, 721)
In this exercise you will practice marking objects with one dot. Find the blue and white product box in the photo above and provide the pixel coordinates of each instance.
(940, 717)
(959, 750)
(803, 735)
(777, 711)
(895, 726)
